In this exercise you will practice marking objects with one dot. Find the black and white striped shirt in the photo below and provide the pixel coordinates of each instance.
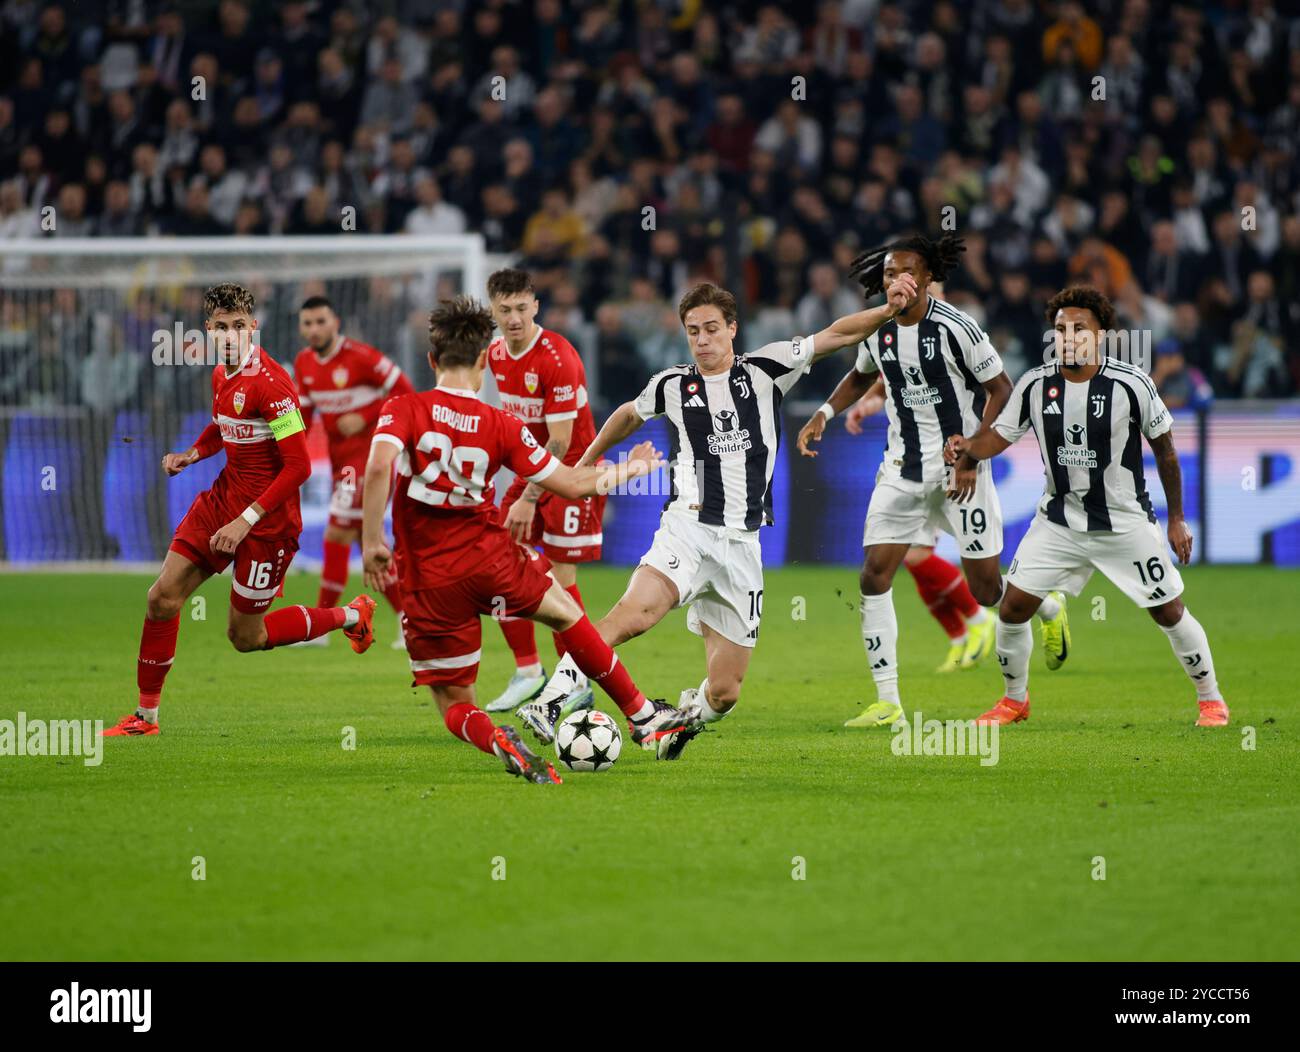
(724, 432)
(934, 373)
(1090, 436)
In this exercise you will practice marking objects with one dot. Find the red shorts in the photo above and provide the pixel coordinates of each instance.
(443, 632)
(260, 562)
(568, 531)
(345, 501)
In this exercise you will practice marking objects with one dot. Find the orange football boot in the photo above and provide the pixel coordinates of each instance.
(133, 726)
(1213, 714)
(362, 634)
(1007, 711)
(520, 760)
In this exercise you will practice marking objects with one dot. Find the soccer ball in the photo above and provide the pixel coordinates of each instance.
(588, 740)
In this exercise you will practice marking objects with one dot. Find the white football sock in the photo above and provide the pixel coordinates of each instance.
(1015, 644)
(1049, 608)
(1193, 651)
(350, 616)
(563, 680)
(880, 637)
(708, 714)
(979, 617)
(529, 671)
(644, 712)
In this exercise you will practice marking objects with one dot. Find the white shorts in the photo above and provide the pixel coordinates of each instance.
(1138, 562)
(900, 513)
(718, 572)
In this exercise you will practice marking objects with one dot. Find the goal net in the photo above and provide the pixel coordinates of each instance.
(102, 370)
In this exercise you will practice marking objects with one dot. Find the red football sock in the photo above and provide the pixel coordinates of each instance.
(599, 662)
(393, 593)
(936, 578)
(522, 640)
(293, 624)
(949, 618)
(157, 649)
(333, 573)
(470, 723)
(560, 648)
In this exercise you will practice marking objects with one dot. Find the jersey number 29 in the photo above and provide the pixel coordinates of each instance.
(455, 461)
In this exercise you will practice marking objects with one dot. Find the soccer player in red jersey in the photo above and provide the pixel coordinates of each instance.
(541, 380)
(347, 382)
(249, 517)
(459, 561)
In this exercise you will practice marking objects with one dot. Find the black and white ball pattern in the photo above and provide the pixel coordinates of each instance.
(588, 740)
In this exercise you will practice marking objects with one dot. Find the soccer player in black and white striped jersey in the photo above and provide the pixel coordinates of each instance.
(942, 377)
(724, 417)
(1090, 413)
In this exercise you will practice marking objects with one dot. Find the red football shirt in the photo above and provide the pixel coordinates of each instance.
(544, 385)
(452, 445)
(255, 408)
(353, 378)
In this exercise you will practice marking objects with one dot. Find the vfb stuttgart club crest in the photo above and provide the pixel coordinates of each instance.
(340, 376)
(530, 382)
(238, 402)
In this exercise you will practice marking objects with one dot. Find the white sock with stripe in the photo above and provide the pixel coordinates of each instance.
(1192, 648)
(1049, 608)
(1015, 644)
(880, 638)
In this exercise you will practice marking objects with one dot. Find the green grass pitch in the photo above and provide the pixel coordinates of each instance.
(390, 850)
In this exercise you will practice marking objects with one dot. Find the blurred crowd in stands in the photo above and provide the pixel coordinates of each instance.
(622, 149)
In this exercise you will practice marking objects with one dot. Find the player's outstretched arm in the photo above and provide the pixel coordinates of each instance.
(983, 445)
(622, 423)
(376, 556)
(1171, 479)
(579, 481)
(519, 516)
(852, 329)
(847, 391)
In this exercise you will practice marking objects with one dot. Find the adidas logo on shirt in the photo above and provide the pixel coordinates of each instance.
(1159, 593)
(1052, 409)
(694, 402)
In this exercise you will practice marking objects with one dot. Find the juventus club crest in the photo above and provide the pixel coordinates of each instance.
(1098, 405)
(530, 382)
(238, 402)
(927, 345)
(340, 376)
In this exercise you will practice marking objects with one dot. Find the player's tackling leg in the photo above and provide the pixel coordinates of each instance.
(248, 630)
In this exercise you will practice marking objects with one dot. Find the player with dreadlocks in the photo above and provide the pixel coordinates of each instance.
(942, 377)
